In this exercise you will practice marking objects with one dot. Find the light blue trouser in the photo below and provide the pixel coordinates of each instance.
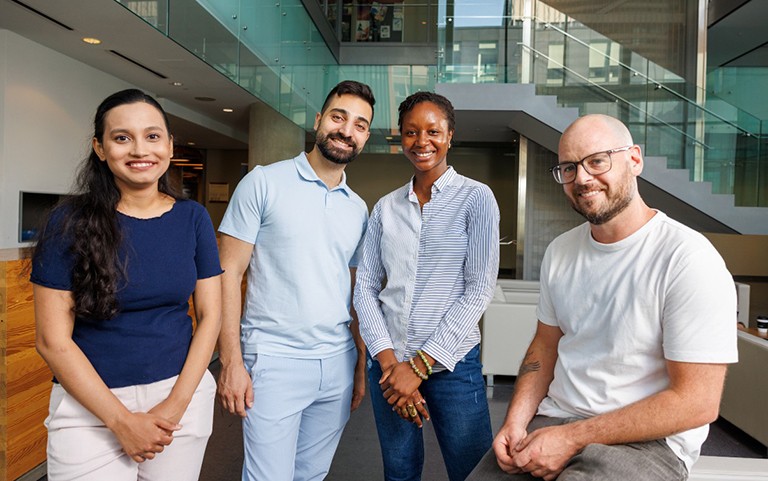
(300, 408)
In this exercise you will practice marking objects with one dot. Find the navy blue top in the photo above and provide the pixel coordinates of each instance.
(148, 340)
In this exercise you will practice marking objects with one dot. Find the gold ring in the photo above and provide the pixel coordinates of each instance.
(412, 410)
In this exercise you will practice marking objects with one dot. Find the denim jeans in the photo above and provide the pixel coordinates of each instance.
(459, 413)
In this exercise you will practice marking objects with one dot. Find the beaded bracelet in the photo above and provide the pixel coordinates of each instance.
(424, 360)
(418, 372)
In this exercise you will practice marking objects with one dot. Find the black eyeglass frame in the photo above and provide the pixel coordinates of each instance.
(576, 165)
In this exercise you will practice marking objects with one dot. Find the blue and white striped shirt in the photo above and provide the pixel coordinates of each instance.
(427, 276)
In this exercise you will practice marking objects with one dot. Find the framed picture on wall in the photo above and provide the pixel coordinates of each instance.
(218, 192)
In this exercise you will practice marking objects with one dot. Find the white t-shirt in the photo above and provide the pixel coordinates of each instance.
(662, 293)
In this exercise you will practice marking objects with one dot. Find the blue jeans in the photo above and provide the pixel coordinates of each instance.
(459, 411)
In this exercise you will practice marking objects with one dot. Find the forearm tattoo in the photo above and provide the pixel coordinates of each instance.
(529, 365)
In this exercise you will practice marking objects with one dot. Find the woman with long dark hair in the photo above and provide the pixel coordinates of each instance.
(113, 271)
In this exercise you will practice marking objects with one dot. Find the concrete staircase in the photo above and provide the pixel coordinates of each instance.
(485, 111)
(721, 207)
(515, 107)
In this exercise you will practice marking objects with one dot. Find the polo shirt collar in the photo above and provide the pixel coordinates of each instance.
(308, 173)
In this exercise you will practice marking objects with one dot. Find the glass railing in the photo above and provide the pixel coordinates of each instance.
(274, 51)
(692, 129)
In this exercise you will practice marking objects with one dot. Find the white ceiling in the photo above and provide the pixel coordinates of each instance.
(122, 31)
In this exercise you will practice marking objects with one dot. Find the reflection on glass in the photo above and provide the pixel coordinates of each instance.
(392, 21)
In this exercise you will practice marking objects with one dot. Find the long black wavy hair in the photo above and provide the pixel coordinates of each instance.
(88, 219)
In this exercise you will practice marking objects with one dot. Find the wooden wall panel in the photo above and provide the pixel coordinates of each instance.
(3, 374)
(26, 379)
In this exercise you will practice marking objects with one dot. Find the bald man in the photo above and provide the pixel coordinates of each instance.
(637, 319)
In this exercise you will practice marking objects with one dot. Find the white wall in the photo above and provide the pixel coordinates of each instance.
(47, 102)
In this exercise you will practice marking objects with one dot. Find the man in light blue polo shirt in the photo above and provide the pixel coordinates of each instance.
(289, 366)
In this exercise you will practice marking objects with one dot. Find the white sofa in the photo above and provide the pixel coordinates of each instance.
(716, 468)
(745, 397)
(508, 326)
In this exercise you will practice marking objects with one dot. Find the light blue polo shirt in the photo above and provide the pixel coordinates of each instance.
(305, 237)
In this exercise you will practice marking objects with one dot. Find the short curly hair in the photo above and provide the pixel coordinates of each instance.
(443, 103)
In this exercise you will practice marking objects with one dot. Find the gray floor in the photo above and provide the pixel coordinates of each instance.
(358, 457)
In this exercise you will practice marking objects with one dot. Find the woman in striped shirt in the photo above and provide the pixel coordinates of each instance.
(428, 272)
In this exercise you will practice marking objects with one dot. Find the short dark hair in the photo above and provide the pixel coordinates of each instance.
(443, 103)
(351, 87)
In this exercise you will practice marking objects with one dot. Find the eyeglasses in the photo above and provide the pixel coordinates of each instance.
(594, 164)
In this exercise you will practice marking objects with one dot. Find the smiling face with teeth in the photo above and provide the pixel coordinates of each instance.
(426, 138)
(343, 128)
(601, 198)
(136, 145)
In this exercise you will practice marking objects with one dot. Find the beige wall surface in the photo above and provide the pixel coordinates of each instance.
(747, 259)
(745, 255)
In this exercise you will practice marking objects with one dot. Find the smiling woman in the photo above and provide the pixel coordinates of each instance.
(137, 148)
(428, 272)
(113, 271)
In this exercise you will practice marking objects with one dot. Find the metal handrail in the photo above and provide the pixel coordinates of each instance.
(614, 95)
(657, 84)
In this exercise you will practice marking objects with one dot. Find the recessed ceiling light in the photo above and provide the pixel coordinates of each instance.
(177, 84)
(228, 110)
(91, 40)
(190, 143)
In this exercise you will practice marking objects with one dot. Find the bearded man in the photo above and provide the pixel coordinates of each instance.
(293, 362)
(637, 323)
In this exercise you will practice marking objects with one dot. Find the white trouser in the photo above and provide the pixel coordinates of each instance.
(300, 408)
(81, 448)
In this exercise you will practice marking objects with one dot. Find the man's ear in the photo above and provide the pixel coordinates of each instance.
(636, 158)
(318, 116)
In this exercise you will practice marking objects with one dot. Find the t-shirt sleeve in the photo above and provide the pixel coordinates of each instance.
(207, 252)
(53, 262)
(545, 311)
(242, 219)
(699, 317)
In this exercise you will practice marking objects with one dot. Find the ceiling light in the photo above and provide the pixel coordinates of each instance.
(177, 84)
(190, 143)
(91, 40)
(228, 110)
